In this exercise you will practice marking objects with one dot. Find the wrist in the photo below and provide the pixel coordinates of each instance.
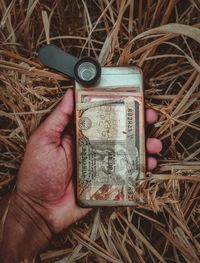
(25, 232)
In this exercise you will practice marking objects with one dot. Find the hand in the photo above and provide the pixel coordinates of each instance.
(45, 176)
(44, 184)
(46, 172)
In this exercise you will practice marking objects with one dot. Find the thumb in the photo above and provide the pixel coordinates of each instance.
(55, 124)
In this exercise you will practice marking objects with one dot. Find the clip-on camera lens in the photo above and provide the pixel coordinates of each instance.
(85, 70)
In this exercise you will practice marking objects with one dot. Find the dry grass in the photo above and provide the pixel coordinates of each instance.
(163, 38)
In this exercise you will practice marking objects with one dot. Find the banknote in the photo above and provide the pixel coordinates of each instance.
(110, 146)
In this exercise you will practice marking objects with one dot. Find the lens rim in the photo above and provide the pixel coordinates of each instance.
(92, 61)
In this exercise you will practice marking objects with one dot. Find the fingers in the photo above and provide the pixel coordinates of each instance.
(153, 145)
(60, 117)
(151, 163)
(151, 116)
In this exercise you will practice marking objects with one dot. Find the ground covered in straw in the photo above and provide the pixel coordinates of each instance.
(161, 37)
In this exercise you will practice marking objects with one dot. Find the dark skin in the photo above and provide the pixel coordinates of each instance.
(43, 202)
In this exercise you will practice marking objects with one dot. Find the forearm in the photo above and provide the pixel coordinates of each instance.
(25, 233)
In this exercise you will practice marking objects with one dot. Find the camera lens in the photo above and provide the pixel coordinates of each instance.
(87, 71)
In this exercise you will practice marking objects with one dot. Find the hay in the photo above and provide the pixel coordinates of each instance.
(163, 38)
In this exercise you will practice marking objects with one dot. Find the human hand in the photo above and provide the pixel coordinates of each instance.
(44, 186)
(45, 176)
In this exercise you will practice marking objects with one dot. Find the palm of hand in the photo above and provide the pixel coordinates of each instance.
(46, 169)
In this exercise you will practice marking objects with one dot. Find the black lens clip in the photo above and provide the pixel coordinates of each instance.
(85, 70)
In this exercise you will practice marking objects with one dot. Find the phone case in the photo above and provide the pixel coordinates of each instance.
(110, 138)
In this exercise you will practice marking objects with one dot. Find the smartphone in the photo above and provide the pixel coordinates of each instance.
(110, 138)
